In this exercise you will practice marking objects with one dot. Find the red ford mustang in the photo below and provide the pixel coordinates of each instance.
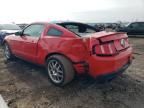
(67, 48)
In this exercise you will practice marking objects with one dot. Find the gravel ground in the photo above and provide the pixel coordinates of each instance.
(24, 85)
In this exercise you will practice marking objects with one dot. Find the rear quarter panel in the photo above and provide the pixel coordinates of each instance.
(72, 48)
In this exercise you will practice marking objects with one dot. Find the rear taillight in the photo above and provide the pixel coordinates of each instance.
(111, 48)
(106, 49)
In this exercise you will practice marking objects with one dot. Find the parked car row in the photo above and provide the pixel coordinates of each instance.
(135, 28)
(132, 29)
(103, 26)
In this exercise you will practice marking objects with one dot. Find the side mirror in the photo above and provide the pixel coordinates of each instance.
(19, 33)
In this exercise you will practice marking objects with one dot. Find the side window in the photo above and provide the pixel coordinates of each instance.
(73, 28)
(134, 25)
(54, 32)
(90, 30)
(34, 30)
(141, 25)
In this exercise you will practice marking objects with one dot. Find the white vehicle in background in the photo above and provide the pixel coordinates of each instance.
(7, 29)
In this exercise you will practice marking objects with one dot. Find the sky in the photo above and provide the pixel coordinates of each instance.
(27, 11)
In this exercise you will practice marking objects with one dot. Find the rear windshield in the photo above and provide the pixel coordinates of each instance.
(79, 28)
(9, 27)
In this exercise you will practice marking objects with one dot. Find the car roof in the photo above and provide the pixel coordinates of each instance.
(133, 23)
(61, 23)
(136, 22)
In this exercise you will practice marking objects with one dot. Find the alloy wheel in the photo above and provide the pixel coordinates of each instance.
(55, 71)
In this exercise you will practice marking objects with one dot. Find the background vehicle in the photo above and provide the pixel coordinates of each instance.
(7, 29)
(135, 28)
(22, 26)
(67, 48)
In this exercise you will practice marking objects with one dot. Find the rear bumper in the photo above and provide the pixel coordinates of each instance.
(101, 66)
(114, 74)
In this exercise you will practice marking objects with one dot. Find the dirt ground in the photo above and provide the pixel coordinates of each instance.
(24, 85)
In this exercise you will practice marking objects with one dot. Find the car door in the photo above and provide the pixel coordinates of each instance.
(30, 38)
(16, 44)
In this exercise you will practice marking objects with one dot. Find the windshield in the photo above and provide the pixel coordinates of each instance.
(9, 27)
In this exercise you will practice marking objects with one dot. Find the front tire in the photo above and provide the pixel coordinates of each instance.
(60, 70)
(7, 52)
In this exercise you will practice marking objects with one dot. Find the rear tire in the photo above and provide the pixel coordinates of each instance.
(60, 70)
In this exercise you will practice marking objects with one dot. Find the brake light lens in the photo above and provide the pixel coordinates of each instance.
(105, 49)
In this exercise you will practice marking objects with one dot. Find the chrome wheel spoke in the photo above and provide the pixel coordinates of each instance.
(51, 66)
(54, 77)
(59, 75)
(59, 71)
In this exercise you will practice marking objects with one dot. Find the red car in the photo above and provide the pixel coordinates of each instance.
(69, 48)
